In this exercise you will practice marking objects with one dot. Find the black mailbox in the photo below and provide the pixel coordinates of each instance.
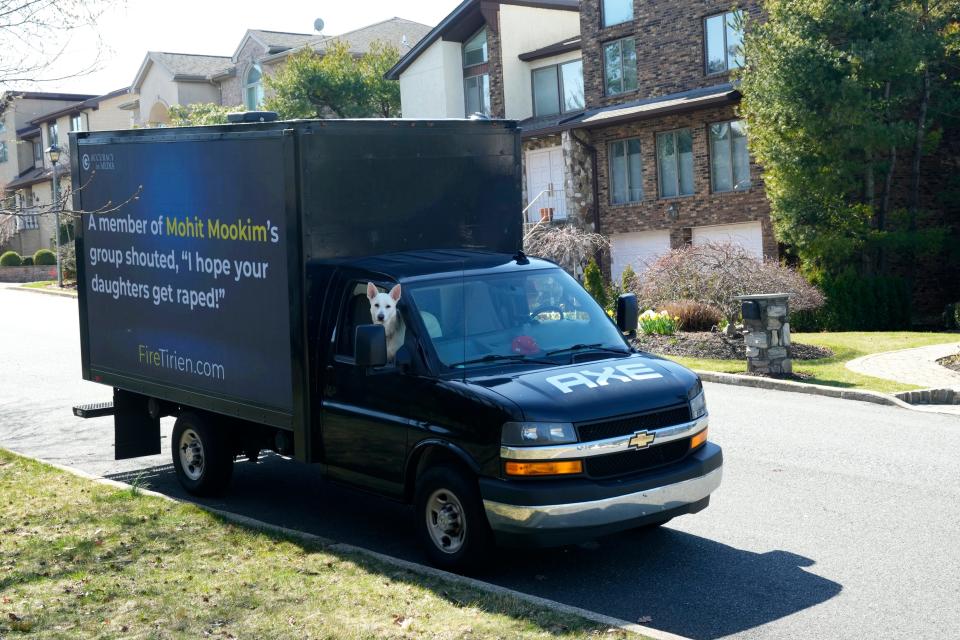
(750, 309)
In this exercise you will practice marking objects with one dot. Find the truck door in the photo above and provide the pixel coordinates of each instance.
(366, 413)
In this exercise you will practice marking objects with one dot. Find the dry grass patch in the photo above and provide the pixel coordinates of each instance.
(82, 560)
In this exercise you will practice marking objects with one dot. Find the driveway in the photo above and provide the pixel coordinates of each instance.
(836, 519)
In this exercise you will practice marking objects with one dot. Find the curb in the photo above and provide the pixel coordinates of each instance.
(341, 547)
(48, 292)
(758, 382)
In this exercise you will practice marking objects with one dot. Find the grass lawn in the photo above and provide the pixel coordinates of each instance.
(69, 286)
(846, 346)
(82, 560)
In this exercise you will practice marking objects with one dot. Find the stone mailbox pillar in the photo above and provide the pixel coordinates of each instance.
(767, 323)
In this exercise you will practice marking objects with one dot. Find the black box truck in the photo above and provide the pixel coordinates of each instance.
(353, 294)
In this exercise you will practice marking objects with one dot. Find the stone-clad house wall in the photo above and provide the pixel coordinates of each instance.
(231, 89)
(495, 69)
(704, 208)
(669, 36)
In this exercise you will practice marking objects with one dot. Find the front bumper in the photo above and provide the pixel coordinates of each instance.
(549, 513)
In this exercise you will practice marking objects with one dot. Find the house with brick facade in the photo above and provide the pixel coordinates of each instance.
(627, 110)
(165, 79)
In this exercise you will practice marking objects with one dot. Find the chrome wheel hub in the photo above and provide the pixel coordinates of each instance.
(191, 454)
(445, 521)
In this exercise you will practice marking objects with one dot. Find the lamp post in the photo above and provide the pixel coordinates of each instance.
(54, 153)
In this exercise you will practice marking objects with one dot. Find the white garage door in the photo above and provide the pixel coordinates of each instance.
(748, 235)
(639, 250)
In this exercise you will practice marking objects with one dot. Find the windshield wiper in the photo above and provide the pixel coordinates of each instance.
(497, 357)
(584, 347)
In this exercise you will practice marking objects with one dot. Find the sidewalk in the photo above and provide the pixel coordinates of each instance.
(911, 366)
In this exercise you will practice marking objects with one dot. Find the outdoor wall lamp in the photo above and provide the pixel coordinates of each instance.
(54, 152)
(673, 212)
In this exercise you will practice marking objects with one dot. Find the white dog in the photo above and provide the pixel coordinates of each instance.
(383, 310)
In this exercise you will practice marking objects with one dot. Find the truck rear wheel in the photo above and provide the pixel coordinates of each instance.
(202, 456)
(451, 523)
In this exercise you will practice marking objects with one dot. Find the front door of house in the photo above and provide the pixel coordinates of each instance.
(545, 174)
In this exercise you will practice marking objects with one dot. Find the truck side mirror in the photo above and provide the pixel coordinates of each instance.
(628, 313)
(370, 345)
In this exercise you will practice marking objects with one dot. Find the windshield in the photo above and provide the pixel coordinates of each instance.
(521, 315)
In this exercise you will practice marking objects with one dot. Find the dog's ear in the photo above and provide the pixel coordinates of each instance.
(372, 290)
(395, 293)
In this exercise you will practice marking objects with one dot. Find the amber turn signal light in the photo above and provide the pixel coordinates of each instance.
(698, 439)
(544, 468)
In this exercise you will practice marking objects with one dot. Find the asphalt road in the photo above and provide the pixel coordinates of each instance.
(836, 519)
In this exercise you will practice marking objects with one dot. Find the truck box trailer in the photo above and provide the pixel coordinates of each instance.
(353, 293)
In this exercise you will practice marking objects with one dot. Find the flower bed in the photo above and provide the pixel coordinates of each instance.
(715, 346)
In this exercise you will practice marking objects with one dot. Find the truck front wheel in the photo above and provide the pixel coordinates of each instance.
(451, 523)
(202, 456)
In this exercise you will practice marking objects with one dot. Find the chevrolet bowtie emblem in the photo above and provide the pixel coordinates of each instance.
(642, 439)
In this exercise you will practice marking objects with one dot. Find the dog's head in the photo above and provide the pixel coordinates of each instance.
(383, 306)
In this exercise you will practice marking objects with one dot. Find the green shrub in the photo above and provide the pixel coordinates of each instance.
(10, 259)
(26, 261)
(593, 283)
(858, 303)
(628, 279)
(44, 257)
(68, 260)
(661, 324)
(693, 315)
(951, 316)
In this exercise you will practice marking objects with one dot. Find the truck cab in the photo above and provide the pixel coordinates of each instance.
(514, 412)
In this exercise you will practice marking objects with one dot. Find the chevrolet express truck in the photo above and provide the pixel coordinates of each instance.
(229, 276)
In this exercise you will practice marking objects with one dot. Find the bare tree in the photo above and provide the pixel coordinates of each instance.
(36, 33)
(566, 245)
(12, 213)
(713, 273)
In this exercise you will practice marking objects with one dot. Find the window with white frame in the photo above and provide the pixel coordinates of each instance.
(475, 49)
(76, 122)
(558, 88)
(729, 157)
(37, 153)
(253, 88)
(675, 163)
(476, 94)
(620, 66)
(28, 220)
(617, 12)
(724, 42)
(626, 171)
(52, 133)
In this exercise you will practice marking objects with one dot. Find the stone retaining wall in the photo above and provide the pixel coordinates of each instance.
(28, 274)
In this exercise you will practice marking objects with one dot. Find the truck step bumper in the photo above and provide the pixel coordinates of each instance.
(96, 410)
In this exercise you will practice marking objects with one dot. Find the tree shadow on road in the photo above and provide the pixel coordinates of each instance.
(663, 578)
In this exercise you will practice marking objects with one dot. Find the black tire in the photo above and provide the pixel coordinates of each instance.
(468, 547)
(205, 471)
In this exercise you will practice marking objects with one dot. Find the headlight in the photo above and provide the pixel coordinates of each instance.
(698, 403)
(528, 434)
